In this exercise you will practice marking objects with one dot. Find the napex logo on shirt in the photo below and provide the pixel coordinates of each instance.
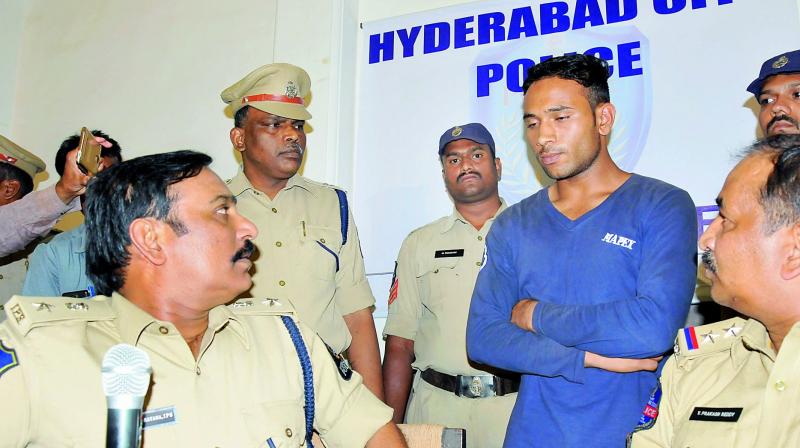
(618, 240)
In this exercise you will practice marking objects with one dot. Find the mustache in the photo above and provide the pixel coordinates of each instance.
(245, 252)
(709, 261)
(778, 118)
(293, 147)
(468, 172)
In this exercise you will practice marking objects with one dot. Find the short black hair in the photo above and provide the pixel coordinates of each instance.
(11, 172)
(137, 188)
(589, 71)
(240, 117)
(780, 195)
(71, 142)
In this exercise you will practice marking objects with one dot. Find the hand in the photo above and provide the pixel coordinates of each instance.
(522, 314)
(620, 365)
(73, 183)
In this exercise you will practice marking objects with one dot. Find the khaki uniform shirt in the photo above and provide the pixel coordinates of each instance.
(731, 391)
(244, 390)
(301, 256)
(436, 272)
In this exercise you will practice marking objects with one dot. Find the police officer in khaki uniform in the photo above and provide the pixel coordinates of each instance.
(429, 302)
(736, 383)
(166, 243)
(311, 253)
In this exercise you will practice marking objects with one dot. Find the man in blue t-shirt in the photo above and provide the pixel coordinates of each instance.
(586, 281)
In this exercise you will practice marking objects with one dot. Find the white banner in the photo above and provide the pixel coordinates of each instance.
(679, 72)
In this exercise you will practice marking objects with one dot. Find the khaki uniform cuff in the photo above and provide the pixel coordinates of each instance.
(354, 298)
(364, 417)
(400, 325)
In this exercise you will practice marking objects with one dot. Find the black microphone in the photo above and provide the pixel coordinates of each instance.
(126, 378)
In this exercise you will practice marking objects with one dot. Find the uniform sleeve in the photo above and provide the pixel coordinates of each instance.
(491, 336)
(15, 413)
(352, 289)
(660, 435)
(30, 217)
(405, 303)
(643, 325)
(42, 277)
(347, 414)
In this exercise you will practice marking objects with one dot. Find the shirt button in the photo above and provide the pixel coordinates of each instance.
(282, 283)
(478, 263)
(322, 240)
(436, 271)
(274, 210)
(278, 243)
(163, 330)
(197, 370)
(288, 432)
(480, 238)
(1, 276)
(780, 385)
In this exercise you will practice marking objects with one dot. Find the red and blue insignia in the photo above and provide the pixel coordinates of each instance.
(394, 287)
(8, 359)
(691, 338)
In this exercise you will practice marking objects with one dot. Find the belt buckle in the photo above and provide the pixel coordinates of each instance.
(477, 386)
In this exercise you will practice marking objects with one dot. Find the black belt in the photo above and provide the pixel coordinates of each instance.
(471, 386)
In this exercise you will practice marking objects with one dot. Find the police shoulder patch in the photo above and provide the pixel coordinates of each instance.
(342, 364)
(8, 358)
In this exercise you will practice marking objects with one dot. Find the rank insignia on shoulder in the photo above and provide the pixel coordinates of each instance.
(8, 359)
(342, 364)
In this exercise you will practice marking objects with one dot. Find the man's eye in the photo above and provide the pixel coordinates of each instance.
(223, 210)
(562, 117)
(764, 101)
(532, 125)
(477, 155)
(452, 161)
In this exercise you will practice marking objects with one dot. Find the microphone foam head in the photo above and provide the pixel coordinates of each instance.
(126, 371)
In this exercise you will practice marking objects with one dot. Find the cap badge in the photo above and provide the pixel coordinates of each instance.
(780, 62)
(291, 89)
(457, 131)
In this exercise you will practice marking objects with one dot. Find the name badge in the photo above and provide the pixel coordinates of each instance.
(716, 414)
(447, 253)
(158, 417)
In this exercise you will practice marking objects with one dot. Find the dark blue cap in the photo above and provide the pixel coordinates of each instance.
(471, 131)
(782, 63)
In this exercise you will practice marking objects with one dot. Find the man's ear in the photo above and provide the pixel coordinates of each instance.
(147, 240)
(604, 116)
(499, 166)
(237, 138)
(790, 266)
(9, 189)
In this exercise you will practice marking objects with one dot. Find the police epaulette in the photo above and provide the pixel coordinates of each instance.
(28, 313)
(262, 307)
(708, 338)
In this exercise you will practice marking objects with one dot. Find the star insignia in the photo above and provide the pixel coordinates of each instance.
(732, 331)
(43, 306)
(709, 337)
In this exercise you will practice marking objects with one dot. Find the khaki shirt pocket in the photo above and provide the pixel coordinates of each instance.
(322, 245)
(435, 279)
(278, 424)
(699, 434)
